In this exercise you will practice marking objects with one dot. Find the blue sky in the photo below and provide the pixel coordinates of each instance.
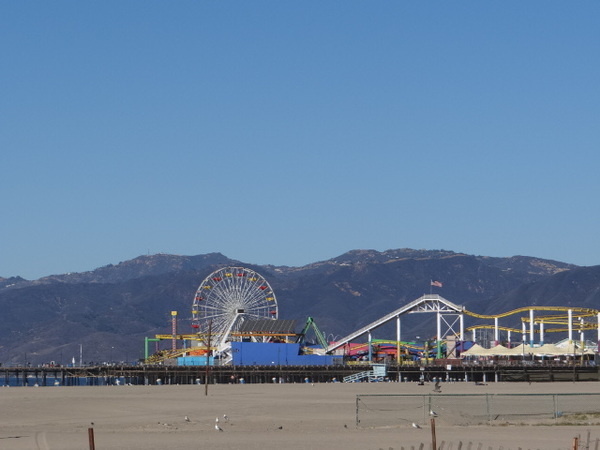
(291, 132)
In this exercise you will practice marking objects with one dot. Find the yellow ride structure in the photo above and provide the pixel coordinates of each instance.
(573, 318)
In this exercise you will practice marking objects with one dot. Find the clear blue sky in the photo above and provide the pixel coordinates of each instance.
(291, 132)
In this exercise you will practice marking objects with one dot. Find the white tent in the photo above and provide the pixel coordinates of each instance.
(524, 349)
(520, 350)
(475, 350)
(478, 350)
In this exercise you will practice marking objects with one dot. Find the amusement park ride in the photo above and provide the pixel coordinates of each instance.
(237, 304)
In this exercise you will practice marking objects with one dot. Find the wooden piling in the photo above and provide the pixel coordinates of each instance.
(91, 438)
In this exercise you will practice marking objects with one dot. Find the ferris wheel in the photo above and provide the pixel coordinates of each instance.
(228, 297)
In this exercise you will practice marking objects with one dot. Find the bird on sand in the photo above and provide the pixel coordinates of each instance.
(218, 428)
(187, 419)
(432, 413)
(216, 420)
(415, 425)
(225, 418)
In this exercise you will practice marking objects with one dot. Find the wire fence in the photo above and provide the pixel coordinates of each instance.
(397, 410)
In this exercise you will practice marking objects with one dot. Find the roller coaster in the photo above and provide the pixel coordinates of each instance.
(450, 322)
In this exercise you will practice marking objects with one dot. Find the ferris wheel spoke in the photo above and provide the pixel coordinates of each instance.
(248, 287)
(257, 298)
(254, 295)
(216, 318)
(222, 297)
(260, 307)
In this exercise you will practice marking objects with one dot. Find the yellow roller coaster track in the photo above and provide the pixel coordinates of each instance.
(562, 319)
(581, 312)
(519, 331)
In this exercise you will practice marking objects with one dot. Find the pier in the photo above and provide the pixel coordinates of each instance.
(165, 374)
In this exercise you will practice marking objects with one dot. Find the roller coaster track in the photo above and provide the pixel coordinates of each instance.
(519, 331)
(581, 312)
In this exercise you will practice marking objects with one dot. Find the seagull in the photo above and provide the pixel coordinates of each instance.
(218, 428)
(437, 387)
(415, 425)
(216, 420)
(432, 413)
(187, 419)
(225, 418)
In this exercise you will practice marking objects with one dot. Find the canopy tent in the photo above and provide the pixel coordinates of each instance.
(545, 350)
(573, 349)
(475, 350)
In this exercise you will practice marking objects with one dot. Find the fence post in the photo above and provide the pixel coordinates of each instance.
(433, 437)
(91, 439)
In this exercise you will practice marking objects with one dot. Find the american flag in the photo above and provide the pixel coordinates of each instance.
(436, 283)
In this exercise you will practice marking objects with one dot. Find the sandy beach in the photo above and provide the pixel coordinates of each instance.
(265, 417)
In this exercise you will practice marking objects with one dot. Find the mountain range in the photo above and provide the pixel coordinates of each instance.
(104, 314)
